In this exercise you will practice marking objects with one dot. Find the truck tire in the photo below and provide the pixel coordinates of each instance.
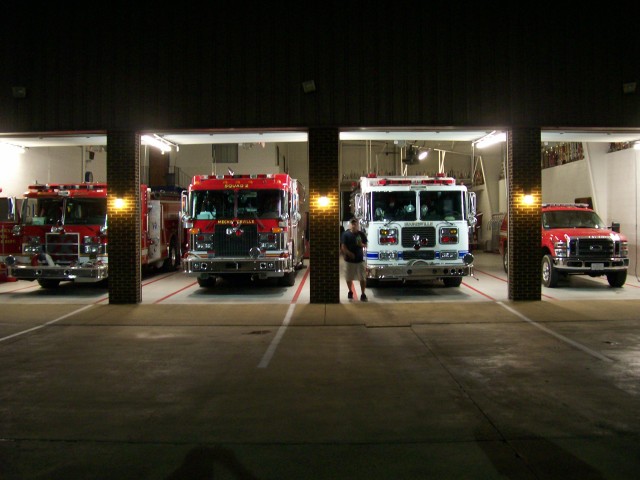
(48, 283)
(549, 273)
(207, 282)
(505, 260)
(617, 279)
(452, 281)
(172, 260)
(289, 279)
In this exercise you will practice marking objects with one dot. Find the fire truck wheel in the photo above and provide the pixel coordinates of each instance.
(207, 282)
(549, 273)
(505, 260)
(617, 279)
(48, 283)
(289, 279)
(172, 260)
(452, 281)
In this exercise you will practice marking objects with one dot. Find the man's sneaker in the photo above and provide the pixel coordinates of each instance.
(350, 295)
(363, 298)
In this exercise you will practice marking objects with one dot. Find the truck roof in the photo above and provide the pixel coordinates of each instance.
(240, 181)
(66, 189)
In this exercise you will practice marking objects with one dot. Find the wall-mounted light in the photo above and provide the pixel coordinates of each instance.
(323, 201)
(11, 148)
(527, 200)
(490, 139)
(119, 203)
(158, 142)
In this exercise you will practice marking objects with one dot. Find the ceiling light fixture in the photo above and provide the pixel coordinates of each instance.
(158, 142)
(490, 139)
(415, 154)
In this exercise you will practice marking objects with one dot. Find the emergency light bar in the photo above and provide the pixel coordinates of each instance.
(579, 205)
(231, 177)
(412, 181)
(63, 189)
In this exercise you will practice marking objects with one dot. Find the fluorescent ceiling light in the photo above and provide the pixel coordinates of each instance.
(491, 139)
(156, 141)
(11, 148)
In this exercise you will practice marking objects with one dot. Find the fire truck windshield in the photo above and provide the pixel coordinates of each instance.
(85, 211)
(394, 205)
(231, 204)
(441, 205)
(42, 211)
(572, 219)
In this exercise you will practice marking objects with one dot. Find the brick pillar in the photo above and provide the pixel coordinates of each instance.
(324, 233)
(525, 178)
(123, 179)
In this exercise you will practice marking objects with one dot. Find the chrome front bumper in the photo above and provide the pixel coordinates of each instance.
(80, 274)
(265, 267)
(417, 271)
(576, 265)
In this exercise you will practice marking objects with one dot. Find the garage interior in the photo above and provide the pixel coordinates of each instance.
(600, 166)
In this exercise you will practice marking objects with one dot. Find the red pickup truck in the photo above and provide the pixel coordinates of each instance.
(575, 241)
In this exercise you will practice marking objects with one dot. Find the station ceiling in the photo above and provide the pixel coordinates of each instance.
(217, 137)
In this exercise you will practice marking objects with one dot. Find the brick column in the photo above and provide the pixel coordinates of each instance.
(525, 178)
(123, 179)
(324, 233)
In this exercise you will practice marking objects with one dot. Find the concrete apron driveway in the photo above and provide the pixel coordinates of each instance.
(347, 391)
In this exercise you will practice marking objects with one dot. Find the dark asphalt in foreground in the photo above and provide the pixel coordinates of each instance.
(486, 390)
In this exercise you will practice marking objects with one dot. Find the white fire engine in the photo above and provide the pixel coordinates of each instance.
(63, 233)
(417, 227)
(244, 225)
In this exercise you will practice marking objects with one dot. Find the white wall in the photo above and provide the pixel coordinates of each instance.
(49, 165)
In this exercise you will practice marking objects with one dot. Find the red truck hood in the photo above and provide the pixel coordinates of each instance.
(560, 233)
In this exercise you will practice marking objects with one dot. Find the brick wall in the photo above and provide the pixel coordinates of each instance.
(324, 232)
(123, 179)
(525, 178)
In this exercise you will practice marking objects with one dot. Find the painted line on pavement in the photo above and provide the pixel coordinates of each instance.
(560, 337)
(266, 358)
(17, 334)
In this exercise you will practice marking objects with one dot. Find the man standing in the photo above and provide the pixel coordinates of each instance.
(352, 245)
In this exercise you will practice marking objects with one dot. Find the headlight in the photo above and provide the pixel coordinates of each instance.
(560, 249)
(33, 245)
(388, 236)
(449, 235)
(624, 249)
(388, 255)
(203, 242)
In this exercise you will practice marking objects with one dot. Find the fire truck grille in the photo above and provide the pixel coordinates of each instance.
(593, 248)
(64, 248)
(227, 242)
(424, 233)
(418, 254)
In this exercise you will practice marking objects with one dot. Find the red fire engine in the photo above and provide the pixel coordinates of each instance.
(244, 225)
(9, 245)
(63, 233)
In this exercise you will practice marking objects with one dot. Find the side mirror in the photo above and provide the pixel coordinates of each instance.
(615, 226)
